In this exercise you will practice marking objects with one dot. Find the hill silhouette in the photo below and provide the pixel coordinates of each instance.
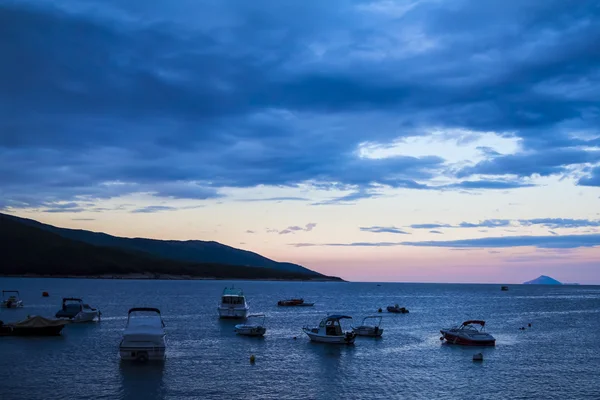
(28, 247)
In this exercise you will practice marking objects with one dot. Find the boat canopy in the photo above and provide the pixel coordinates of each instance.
(148, 309)
(474, 321)
(65, 299)
(232, 291)
(337, 317)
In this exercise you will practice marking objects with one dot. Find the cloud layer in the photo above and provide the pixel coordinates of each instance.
(110, 98)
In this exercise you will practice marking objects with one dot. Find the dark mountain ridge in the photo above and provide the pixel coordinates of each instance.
(30, 247)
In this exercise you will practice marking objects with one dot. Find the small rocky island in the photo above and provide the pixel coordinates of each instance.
(543, 280)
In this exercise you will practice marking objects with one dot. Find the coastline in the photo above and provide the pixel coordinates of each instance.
(164, 277)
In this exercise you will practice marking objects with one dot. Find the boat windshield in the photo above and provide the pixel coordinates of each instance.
(333, 328)
(232, 299)
(145, 318)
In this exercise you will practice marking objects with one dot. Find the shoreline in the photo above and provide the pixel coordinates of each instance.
(162, 277)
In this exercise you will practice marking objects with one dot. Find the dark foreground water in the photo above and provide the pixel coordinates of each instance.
(557, 358)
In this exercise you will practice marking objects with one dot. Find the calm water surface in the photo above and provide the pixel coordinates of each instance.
(557, 358)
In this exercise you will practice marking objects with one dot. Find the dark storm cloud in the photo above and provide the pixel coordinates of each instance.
(106, 98)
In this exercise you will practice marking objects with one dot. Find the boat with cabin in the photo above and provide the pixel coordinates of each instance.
(294, 303)
(144, 336)
(254, 326)
(77, 311)
(371, 326)
(468, 334)
(33, 326)
(233, 304)
(330, 331)
(11, 299)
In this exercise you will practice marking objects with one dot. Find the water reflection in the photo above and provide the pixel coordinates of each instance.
(142, 381)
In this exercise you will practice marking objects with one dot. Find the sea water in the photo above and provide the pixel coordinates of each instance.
(558, 357)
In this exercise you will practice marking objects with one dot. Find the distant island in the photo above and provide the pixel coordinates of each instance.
(543, 280)
(29, 248)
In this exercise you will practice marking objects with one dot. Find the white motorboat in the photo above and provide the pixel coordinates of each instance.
(12, 300)
(255, 326)
(75, 310)
(144, 336)
(233, 304)
(468, 334)
(330, 331)
(371, 326)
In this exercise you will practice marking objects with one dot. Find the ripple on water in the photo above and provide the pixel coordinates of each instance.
(206, 359)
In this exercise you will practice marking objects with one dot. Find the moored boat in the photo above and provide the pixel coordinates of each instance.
(294, 303)
(397, 309)
(233, 304)
(468, 334)
(144, 336)
(75, 310)
(255, 326)
(371, 326)
(12, 300)
(33, 326)
(330, 331)
(504, 288)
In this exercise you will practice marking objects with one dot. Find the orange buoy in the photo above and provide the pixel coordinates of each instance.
(45, 294)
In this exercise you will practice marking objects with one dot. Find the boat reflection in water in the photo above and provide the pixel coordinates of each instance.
(142, 381)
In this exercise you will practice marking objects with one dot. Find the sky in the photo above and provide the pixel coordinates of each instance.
(417, 141)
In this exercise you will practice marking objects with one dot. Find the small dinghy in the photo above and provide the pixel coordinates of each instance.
(397, 309)
(468, 335)
(330, 331)
(254, 326)
(33, 326)
(371, 326)
(294, 303)
(75, 310)
(12, 301)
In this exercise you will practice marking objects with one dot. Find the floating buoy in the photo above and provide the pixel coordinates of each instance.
(295, 337)
(478, 357)
(529, 324)
(380, 310)
(252, 359)
(45, 294)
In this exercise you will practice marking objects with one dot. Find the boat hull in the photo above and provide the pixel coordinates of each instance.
(331, 339)
(233, 313)
(142, 352)
(16, 304)
(250, 330)
(462, 340)
(369, 331)
(7, 330)
(86, 316)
